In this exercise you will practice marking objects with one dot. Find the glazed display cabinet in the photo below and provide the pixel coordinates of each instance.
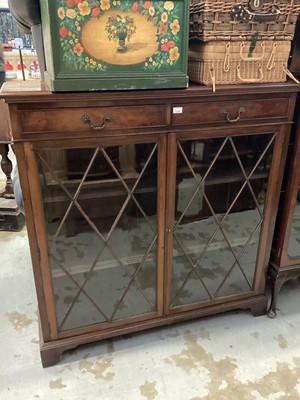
(285, 258)
(147, 208)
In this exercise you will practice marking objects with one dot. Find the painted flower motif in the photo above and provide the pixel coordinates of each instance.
(164, 17)
(116, 23)
(70, 3)
(71, 13)
(80, 10)
(162, 29)
(78, 49)
(164, 47)
(135, 7)
(171, 44)
(63, 31)
(105, 5)
(174, 54)
(175, 27)
(95, 12)
(147, 5)
(169, 5)
(151, 11)
(61, 13)
(84, 8)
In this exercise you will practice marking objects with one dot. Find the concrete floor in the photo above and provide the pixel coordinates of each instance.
(229, 356)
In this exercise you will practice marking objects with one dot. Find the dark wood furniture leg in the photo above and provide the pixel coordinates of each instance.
(6, 166)
(278, 276)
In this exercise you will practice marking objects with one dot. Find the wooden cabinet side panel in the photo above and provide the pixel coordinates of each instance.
(43, 292)
(40, 235)
(280, 251)
(271, 205)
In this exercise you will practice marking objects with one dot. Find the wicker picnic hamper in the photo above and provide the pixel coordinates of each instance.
(216, 63)
(240, 19)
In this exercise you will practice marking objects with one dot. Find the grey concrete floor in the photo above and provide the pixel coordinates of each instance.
(228, 356)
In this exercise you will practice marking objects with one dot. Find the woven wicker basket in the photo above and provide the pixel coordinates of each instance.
(228, 63)
(240, 19)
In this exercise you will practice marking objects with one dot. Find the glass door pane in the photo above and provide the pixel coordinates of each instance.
(100, 209)
(221, 188)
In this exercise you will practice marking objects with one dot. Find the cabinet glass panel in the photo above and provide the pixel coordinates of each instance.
(100, 209)
(294, 239)
(220, 195)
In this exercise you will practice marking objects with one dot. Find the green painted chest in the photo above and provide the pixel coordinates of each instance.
(115, 44)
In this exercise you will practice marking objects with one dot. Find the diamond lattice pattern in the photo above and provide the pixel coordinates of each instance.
(220, 194)
(100, 212)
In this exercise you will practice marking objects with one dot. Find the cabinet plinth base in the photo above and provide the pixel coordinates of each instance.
(11, 218)
(278, 276)
(51, 351)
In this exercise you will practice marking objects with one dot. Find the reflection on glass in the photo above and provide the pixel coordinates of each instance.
(220, 195)
(294, 239)
(101, 221)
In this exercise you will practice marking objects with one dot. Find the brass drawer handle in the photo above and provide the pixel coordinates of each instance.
(87, 120)
(224, 113)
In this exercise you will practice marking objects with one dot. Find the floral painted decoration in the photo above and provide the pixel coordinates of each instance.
(118, 22)
(163, 14)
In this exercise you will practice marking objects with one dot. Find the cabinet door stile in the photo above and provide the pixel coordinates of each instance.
(272, 200)
(170, 210)
(161, 212)
(39, 221)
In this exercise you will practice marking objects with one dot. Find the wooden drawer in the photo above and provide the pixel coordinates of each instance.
(71, 120)
(211, 112)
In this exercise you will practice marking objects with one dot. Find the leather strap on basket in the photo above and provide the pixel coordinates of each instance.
(241, 13)
(257, 58)
(212, 77)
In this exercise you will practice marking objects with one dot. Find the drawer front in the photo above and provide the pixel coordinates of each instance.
(101, 118)
(234, 111)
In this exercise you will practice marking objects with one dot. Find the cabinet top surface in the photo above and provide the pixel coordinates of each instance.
(35, 91)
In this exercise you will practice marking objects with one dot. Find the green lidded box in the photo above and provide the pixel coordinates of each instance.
(115, 44)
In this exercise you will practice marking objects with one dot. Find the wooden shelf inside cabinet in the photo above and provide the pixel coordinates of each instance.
(145, 224)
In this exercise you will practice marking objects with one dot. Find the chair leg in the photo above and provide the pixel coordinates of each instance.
(6, 166)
